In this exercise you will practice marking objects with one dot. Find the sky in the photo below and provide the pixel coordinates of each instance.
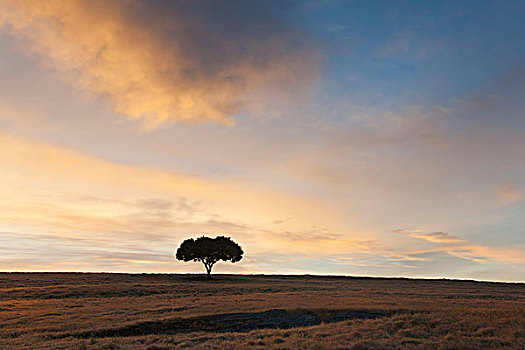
(364, 138)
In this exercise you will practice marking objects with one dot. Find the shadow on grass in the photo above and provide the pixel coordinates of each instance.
(235, 322)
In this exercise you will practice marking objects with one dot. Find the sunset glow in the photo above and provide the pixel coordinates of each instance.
(340, 137)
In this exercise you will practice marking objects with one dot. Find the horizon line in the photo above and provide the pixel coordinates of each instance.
(270, 275)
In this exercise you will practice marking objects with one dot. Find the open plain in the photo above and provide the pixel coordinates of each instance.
(164, 311)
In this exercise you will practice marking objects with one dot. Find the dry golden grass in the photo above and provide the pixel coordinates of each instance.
(120, 311)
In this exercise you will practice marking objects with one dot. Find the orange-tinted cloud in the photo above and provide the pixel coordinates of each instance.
(465, 249)
(47, 187)
(509, 193)
(62, 207)
(166, 61)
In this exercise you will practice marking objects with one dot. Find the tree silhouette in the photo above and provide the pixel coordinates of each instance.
(209, 251)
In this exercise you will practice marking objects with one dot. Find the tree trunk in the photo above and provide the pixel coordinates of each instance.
(208, 267)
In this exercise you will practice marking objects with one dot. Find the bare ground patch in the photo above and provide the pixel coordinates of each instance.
(233, 322)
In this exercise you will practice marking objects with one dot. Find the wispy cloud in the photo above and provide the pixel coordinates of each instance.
(63, 196)
(465, 249)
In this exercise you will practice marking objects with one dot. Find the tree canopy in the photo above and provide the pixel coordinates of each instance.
(209, 250)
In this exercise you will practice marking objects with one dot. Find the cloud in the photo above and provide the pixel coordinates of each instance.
(509, 193)
(316, 241)
(465, 249)
(73, 201)
(168, 61)
(435, 237)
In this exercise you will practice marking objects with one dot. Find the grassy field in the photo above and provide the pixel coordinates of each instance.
(122, 311)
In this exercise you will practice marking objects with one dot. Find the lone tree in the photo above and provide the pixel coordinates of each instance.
(209, 251)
